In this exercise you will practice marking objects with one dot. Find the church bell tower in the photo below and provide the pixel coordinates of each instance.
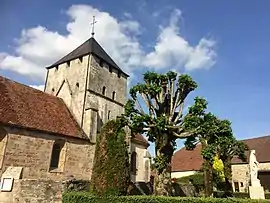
(91, 84)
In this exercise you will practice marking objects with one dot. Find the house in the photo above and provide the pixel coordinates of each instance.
(52, 134)
(185, 162)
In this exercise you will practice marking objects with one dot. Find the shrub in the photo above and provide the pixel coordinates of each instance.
(110, 174)
(77, 197)
(197, 180)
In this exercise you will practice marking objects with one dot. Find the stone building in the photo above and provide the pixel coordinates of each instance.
(52, 134)
(186, 162)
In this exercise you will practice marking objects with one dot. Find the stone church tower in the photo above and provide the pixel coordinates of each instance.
(91, 84)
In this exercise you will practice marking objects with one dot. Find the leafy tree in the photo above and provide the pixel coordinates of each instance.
(111, 163)
(162, 118)
(227, 148)
(216, 138)
(218, 170)
(208, 129)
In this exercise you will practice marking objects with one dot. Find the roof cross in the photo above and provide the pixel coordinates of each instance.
(93, 26)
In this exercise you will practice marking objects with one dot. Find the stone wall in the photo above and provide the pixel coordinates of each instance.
(33, 191)
(68, 81)
(240, 175)
(142, 163)
(32, 150)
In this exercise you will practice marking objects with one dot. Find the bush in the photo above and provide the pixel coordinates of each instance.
(197, 180)
(79, 197)
(110, 174)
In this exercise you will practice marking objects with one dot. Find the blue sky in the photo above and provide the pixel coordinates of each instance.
(223, 45)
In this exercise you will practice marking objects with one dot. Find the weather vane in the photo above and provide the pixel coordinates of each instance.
(93, 26)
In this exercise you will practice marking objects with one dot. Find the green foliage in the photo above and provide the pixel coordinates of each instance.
(79, 197)
(197, 180)
(110, 174)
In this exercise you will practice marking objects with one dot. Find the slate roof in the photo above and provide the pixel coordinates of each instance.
(90, 46)
(26, 107)
(140, 140)
(185, 160)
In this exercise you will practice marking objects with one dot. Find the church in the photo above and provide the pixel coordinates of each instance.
(52, 134)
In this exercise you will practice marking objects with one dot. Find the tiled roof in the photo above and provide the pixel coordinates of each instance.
(140, 140)
(185, 160)
(26, 107)
(261, 146)
(89, 46)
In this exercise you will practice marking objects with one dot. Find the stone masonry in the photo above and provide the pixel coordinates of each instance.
(32, 150)
(240, 175)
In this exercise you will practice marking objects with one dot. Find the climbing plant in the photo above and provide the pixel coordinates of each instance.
(110, 174)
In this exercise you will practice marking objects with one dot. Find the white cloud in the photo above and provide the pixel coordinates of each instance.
(173, 51)
(38, 87)
(39, 47)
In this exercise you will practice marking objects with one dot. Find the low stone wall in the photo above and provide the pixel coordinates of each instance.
(33, 191)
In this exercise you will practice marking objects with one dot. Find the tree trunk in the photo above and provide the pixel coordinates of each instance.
(228, 178)
(208, 179)
(162, 182)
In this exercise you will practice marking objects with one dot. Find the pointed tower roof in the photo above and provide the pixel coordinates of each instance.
(91, 46)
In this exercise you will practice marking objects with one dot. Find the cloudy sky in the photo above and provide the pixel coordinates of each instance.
(223, 45)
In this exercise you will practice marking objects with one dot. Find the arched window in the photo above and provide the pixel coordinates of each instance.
(113, 95)
(104, 90)
(55, 157)
(133, 163)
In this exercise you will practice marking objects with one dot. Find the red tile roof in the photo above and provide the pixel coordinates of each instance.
(261, 146)
(23, 106)
(185, 160)
(138, 138)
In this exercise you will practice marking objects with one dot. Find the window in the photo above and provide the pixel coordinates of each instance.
(101, 63)
(68, 63)
(133, 163)
(77, 84)
(109, 114)
(119, 74)
(53, 90)
(56, 68)
(104, 90)
(113, 95)
(81, 59)
(110, 69)
(57, 157)
(241, 184)
(236, 187)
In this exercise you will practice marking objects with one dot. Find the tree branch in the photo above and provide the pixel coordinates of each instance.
(179, 112)
(183, 135)
(140, 107)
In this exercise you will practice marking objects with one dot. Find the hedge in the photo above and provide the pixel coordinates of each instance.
(82, 197)
(243, 195)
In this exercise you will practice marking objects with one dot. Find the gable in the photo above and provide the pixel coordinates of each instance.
(26, 107)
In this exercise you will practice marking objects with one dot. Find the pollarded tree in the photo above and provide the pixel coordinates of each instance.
(160, 118)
